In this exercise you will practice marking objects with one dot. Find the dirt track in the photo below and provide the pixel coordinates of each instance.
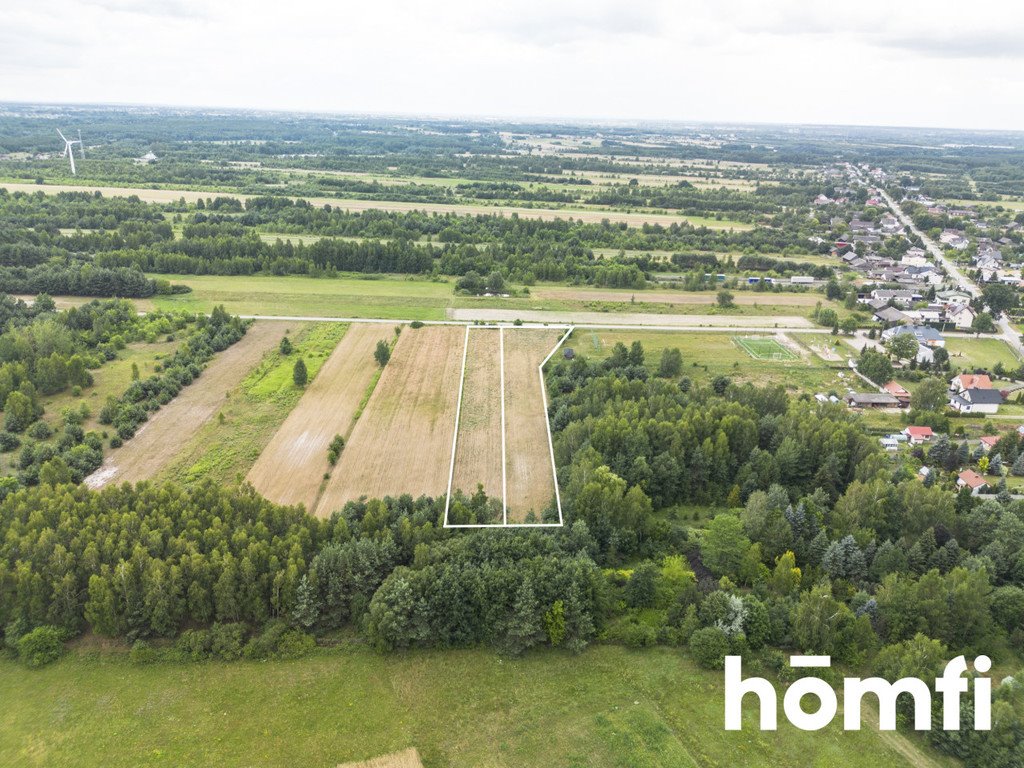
(290, 470)
(402, 442)
(158, 440)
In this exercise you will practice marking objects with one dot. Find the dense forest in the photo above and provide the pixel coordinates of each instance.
(820, 545)
(84, 244)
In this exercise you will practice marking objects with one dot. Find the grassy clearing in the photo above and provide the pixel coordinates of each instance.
(607, 708)
(984, 353)
(392, 298)
(225, 448)
(708, 354)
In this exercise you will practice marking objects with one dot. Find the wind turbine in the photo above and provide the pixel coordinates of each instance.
(69, 151)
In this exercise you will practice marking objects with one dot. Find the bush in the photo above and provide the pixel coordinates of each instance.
(40, 430)
(195, 644)
(41, 646)
(8, 442)
(416, 324)
(226, 641)
(278, 641)
(143, 653)
(709, 647)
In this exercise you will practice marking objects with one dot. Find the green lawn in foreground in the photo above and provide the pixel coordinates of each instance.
(395, 298)
(607, 708)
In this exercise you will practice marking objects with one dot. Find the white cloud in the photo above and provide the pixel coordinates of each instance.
(909, 63)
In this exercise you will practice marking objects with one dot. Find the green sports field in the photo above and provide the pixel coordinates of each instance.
(763, 348)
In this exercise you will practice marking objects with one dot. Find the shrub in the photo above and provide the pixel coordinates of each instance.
(41, 646)
(195, 644)
(143, 653)
(226, 641)
(8, 442)
(39, 430)
(278, 641)
(709, 647)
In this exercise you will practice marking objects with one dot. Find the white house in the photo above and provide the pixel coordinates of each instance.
(977, 401)
(960, 315)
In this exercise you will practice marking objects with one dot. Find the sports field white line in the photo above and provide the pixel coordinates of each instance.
(455, 437)
(504, 463)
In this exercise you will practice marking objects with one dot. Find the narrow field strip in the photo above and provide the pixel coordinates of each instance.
(531, 485)
(290, 470)
(158, 441)
(402, 440)
(479, 445)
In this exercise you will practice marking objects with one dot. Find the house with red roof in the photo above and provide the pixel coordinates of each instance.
(918, 435)
(988, 442)
(965, 381)
(898, 392)
(971, 479)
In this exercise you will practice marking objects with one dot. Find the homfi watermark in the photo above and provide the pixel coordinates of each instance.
(951, 685)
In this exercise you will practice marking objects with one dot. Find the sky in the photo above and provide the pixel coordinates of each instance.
(933, 63)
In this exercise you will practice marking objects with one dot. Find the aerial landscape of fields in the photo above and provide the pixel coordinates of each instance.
(359, 419)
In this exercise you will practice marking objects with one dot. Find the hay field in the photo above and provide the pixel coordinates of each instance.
(531, 483)
(402, 442)
(158, 440)
(750, 298)
(290, 470)
(478, 453)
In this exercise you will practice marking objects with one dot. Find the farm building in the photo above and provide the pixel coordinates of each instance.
(871, 400)
(897, 391)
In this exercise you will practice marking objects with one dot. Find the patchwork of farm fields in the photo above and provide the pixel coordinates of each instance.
(402, 441)
(161, 438)
(291, 468)
(502, 440)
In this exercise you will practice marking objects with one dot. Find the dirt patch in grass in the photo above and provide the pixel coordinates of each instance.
(291, 468)
(407, 758)
(402, 442)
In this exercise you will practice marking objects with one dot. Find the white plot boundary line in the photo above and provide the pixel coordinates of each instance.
(547, 424)
(504, 461)
(455, 436)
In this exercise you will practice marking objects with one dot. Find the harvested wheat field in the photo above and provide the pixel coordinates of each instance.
(158, 440)
(408, 758)
(402, 442)
(290, 469)
(529, 477)
(478, 453)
